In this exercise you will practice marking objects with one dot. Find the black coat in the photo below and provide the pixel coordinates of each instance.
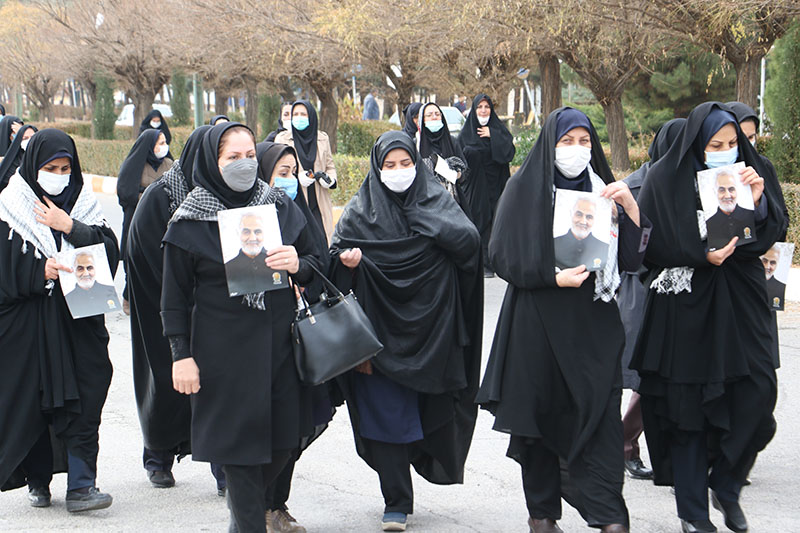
(571, 251)
(722, 227)
(97, 300)
(775, 293)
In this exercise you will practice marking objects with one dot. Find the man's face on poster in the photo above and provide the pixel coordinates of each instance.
(84, 271)
(726, 192)
(251, 235)
(770, 262)
(583, 214)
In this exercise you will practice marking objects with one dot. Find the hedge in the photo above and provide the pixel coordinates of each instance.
(356, 138)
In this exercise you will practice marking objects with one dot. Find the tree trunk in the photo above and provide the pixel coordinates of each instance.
(748, 80)
(142, 104)
(220, 102)
(617, 136)
(550, 71)
(329, 112)
(251, 106)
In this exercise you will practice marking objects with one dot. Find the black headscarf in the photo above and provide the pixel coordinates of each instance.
(569, 119)
(43, 147)
(5, 132)
(206, 172)
(500, 140)
(13, 157)
(190, 152)
(744, 112)
(441, 142)
(669, 197)
(664, 138)
(215, 118)
(521, 246)
(305, 142)
(2, 110)
(130, 173)
(145, 125)
(411, 112)
(268, 154)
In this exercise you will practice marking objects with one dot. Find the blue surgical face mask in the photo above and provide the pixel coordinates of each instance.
(434, 125)
(289, 186)
(300, 123)
(721, 159)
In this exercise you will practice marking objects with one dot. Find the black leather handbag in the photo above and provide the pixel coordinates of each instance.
(332, 336)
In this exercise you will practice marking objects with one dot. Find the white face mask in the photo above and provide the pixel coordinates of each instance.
(399, 180)
(24, 144)
(484, 120)
(154, 124)
(52, 183)
(753, 142)
(162, 151)
(572, 160)
(287, 124)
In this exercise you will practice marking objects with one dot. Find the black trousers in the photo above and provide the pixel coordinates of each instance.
(278, 491)
(247, 486)
(592, 482)
(393, 465)
(38, 464)
(690, 466)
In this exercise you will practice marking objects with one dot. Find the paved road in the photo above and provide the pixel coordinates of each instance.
(335, 491)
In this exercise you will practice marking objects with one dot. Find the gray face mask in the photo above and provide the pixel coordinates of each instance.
(240, 175)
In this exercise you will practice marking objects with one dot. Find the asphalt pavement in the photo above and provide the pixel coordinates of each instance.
(335, 491)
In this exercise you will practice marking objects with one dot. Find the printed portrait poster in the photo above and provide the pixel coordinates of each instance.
(727, 205)
(89, 289)
(777, 262)
(582, 229)
(246, 235)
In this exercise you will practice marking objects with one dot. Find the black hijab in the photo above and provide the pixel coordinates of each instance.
(45, 146)
(2, 110)
(215, 118)
(130, 173)
(500, 140)
(13, 157)
(206, 171)
(189, 153)
(743, 112)
(669, 197)
(305, 141)
(441, 142)
(665, 137)
(411, 112)
(145, 125)
(5, 132)
(268, 154)
(521, 245)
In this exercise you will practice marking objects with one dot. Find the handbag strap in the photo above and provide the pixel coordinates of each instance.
(328, 283)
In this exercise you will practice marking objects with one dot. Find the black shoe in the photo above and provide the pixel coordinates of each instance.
(697, 526)
(39, 497)
(488, 273)
(163, 479)
(732, 511)
(221, 492)
(747, 482)
(92, 500)
(637, 470)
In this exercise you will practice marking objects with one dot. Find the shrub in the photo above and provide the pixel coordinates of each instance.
(350, 174)
(357, 137)
(104, 114)
(783, 104)
(791, 193)
(524, 139)
(269, 109)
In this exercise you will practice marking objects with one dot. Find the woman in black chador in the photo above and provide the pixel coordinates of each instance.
(164, 414)
(54, 370)
(413, 260)
(553, 379)
(703, 354)
(234, 354)
(434, 141)
(488, 148)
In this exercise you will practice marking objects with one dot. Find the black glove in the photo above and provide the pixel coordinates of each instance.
(320, 175)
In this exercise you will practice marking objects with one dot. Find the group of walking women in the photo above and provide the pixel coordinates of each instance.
(215, 375)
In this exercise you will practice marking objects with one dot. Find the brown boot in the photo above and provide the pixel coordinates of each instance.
(544, 525)
(614, 528)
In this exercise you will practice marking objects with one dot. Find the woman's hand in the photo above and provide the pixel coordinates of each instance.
(351, 258)
(186, 376)
(621, 194)
(750, 177)
(572, 277)
(365, 368)
(484, 132)
(51, 268)
(52, 216)
(283, 258)
(717, 257)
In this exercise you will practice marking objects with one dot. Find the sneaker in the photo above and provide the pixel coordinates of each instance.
(281, 521)
(394, 521)
(91, 500)
(39, 496)
(162, 479)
